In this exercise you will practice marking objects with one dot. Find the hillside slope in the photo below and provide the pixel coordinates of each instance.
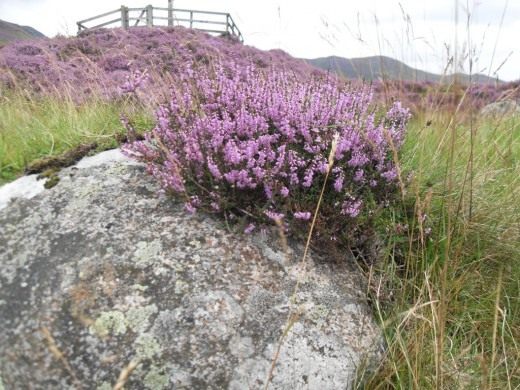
(381, 67)
(105, 60)
(10, 32)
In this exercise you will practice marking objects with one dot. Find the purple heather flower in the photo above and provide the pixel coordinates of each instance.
(274, 215)
(188, 206)
(351, 208)
(133, 81)
(253, 135)
(359, 175)
(390, 175)
(338, 183)
(303, 215)
(249, 228)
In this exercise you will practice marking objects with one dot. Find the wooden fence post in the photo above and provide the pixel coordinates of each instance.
(170, 13)
(149, 16)
(124, 17)
(191, 19)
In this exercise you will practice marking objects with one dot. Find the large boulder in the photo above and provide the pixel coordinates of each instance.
(501, 109)
(102, 279)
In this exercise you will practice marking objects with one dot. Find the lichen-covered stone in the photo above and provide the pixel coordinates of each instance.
(501, 109)
(99, 271)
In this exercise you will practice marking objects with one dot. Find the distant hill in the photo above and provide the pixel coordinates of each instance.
(381, 67)
(13, 32)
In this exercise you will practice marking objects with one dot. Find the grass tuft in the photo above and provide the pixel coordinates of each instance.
(447, 290)
(38, 127)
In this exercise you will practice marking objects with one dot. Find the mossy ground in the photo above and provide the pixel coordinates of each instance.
(55, 132)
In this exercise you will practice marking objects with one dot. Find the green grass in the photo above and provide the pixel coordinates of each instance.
(449, 302)
(31, 128)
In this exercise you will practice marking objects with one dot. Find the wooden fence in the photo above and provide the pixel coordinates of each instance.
(208, 21)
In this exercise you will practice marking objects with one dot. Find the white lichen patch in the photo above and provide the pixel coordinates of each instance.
(26, 187)
(139, 287)
(146, 346)
(157, 378)
(308, 360)
(241, 347)
(147, 252)
(106, 157)
(109, 322)
(319, 314)
(104, 386)
(180, 286)
(138, 317)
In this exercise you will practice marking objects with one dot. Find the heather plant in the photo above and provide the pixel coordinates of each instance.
(115, 69)
(241, 142)
(100, 61)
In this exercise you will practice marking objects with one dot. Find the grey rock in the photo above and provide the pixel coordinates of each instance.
(501, 109)
(100, 271)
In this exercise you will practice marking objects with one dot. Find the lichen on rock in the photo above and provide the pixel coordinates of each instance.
(146, 346)
(146, 252)
(156, 378)
(110, 323)
(138, 317)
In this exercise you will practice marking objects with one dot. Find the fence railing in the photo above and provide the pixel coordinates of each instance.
(208, 21)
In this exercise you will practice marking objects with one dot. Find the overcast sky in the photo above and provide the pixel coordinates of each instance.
(418, 32)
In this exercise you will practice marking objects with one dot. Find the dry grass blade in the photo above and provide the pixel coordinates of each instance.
(291, 320)
(59, 355)
(495, 329)
(125, 374)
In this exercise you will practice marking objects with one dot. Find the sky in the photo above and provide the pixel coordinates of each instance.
(421, 33)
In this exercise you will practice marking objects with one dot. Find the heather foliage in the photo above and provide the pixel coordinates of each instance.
(256, 144)
(429, 96)
(101, 61)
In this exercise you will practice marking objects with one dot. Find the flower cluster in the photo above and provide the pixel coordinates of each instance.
(133, 81)
(238, 138)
